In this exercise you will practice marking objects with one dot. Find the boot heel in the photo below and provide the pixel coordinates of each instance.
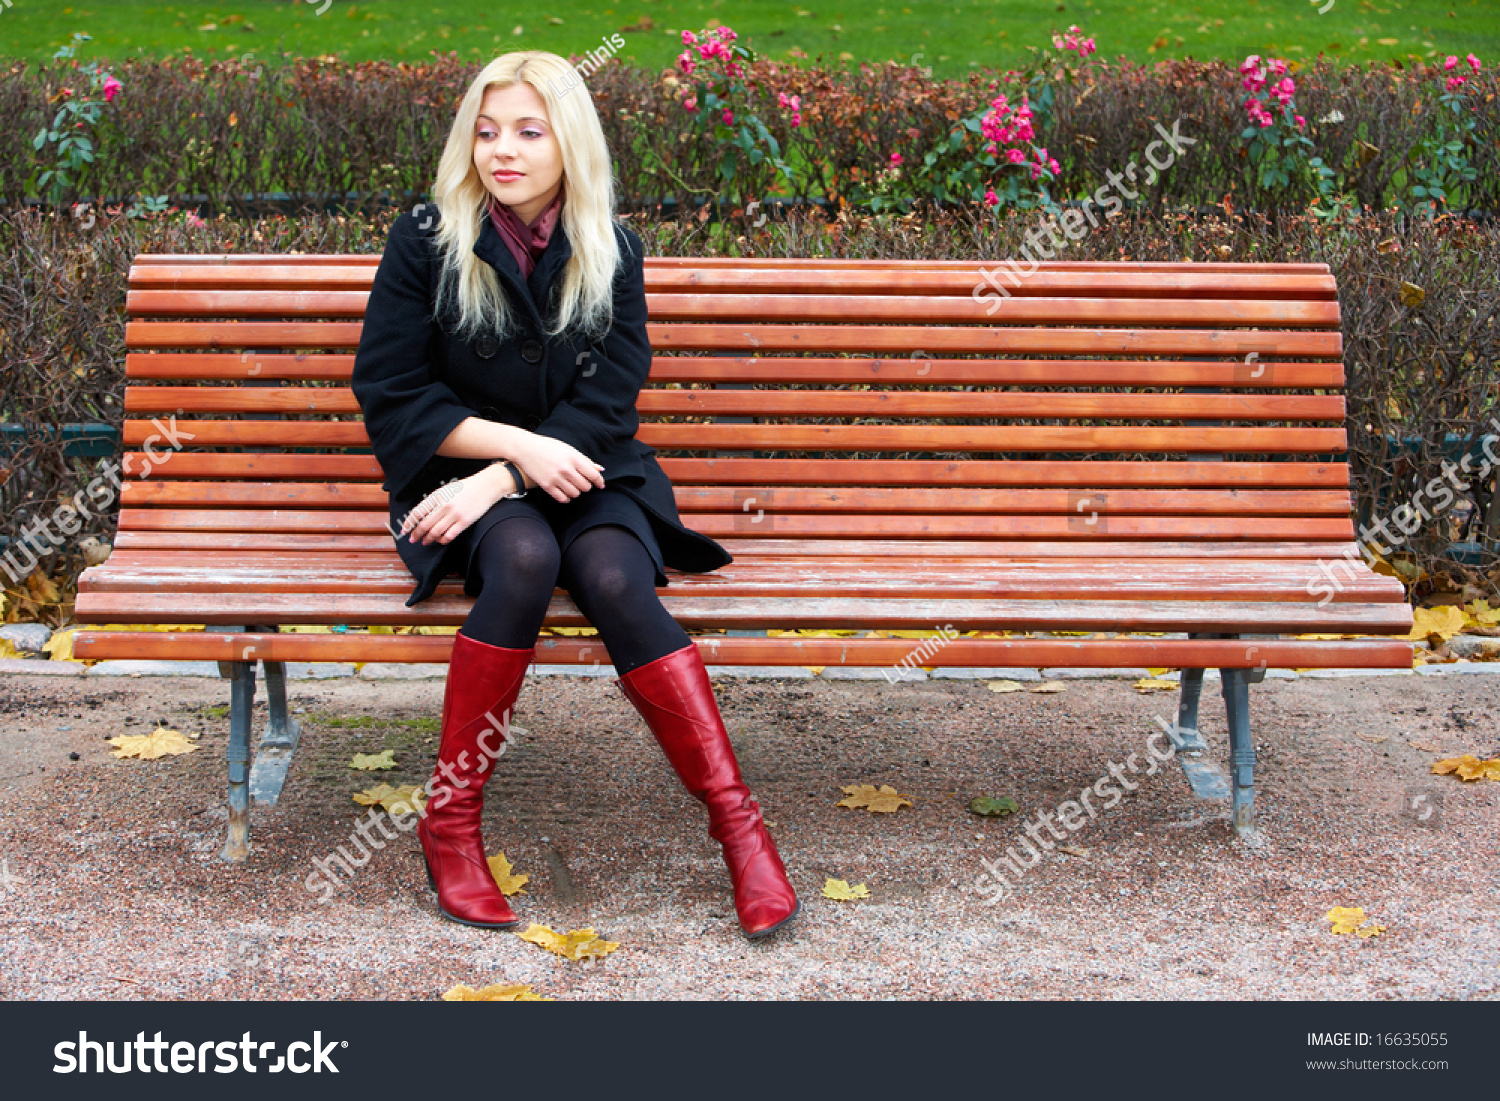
(431, 883)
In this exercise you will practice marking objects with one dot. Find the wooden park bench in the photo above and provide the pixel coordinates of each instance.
(1116, 448)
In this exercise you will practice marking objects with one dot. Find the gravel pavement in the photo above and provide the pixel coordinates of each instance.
(111, 886)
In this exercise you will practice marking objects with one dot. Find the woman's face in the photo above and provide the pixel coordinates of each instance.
(515, 151)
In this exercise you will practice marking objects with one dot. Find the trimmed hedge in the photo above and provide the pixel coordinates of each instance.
(368, 134)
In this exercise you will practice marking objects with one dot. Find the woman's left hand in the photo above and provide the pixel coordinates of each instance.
(452, 518)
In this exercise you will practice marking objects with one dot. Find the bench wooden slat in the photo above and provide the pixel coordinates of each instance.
(1095, 283)
(136, 494)
(1261, 373)
(778, 472)
(811, 308)
(802, 403)
(1082, 581)
(796, 437)
(816, 612)
(873, 550)
(372, 260)
(753, 336)
(1076, 524)
(876, 652)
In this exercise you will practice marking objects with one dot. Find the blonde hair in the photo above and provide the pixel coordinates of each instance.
(586, 297)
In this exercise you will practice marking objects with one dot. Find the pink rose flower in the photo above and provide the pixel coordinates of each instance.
(990, 198)
(1473, 62)
(688, 38)
(112, 88)
(895, 158)
(1450, 64)
(1455, 82)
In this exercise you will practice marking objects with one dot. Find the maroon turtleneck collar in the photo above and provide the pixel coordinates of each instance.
(526, 243)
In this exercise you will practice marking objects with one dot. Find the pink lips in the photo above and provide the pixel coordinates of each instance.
(507, 177)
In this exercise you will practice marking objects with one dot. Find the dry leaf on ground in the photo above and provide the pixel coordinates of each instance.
(1004, 685)
(1469, 767)
(161, 742)
(840, 891)
(1351, 919)
(60, 646)
(1074, 850)
(575, 945)
(386, 758)
(1429, 747)
(505, 877)
(1156, 684)
(496, 992)
(1050, 687)
(1373, 739)
(881, 800)
(401, 800)
(1443, 623)
(9, 651)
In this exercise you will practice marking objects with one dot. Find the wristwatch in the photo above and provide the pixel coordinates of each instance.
(515, 473)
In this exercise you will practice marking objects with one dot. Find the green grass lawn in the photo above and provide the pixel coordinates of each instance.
(951, 37)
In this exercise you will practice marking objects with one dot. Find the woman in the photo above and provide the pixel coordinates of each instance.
(504, 344)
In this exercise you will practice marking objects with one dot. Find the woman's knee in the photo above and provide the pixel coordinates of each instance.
(524, 550)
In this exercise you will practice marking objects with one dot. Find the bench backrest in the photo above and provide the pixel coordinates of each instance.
(801, 404)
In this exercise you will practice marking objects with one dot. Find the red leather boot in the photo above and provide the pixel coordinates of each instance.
(481, 678)
(675, 698)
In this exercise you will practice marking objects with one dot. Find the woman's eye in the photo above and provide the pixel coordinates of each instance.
(531, 131)
(487, 135)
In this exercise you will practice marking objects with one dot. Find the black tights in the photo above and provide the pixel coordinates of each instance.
(606, 570)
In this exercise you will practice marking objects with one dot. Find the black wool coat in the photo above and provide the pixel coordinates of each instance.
(415, 382)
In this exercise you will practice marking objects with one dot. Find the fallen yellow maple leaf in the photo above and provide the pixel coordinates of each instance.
(161, 742)
(1159, 672)
(401, 800)
(1444, 622)
(1480, 614)
(495, 992)
(9, 651)
(840, 891)
(574, 945)
(505, 879)
(881, 800)
(1156, 684)
(1345, 918)
(1469, 767)
(1351, 919)
(386, 758)
(60, 646)
(1004, 685)
(1050, 687)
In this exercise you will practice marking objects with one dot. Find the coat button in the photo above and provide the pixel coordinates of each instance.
(532, 423)
(487, 346)
(531, 352)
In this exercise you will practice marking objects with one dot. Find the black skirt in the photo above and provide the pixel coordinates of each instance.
(567, 520)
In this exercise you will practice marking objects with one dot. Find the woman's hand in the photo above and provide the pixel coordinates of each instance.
(451, 519)
(559, 468)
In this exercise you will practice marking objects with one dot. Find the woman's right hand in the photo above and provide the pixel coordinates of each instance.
(559, 468)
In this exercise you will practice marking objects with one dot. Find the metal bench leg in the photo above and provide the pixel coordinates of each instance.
(1202, 775)
(273, 756)
(1241, 748)
(241, 700)
(1187, 712)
